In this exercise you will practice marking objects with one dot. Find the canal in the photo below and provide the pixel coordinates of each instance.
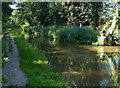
(81, 65)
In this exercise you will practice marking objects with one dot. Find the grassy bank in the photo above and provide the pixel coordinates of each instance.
(4, 55)
(35, 65)
(4, 52)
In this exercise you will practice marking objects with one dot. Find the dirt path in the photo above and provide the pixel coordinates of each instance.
(11, 69)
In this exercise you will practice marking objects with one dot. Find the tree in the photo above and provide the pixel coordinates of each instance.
(110, 27)
(6, 11)
(77, 13)
(55, 13)
(96, 12)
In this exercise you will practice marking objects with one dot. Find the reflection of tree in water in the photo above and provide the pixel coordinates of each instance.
(111, 63)
(79, 65)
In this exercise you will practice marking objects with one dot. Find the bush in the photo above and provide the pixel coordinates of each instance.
(33, 29)
(6, 25)
(83, 35)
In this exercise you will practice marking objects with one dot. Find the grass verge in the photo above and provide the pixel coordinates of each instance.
(4, 55)
(4, 52)
(35, 65)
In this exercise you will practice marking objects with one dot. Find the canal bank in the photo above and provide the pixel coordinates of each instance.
(35, 65)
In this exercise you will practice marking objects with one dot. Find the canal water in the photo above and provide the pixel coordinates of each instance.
(81, 65)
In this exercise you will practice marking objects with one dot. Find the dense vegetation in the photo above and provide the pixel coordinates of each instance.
(4, 52)
(6, 11)
(75, 22)
(82, 35)
(49, 18)
(76, 34)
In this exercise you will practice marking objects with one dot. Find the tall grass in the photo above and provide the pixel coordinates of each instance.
(4, 51)
(83, 35)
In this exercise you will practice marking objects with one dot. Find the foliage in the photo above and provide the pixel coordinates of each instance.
(0, 10)
(6, 25)
(36, 30)
(96, 13)
(33, 13)
(4, 46)
(110, 23)
(41, 74)
(4, 52)
(53, 13)
(114, 41)
(84, 35)
(42, 16)
(6, 11)
(76, 13)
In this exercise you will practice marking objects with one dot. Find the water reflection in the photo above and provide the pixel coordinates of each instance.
(111, 62)
(82, 65)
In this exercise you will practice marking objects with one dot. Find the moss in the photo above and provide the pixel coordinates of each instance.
(39, 74)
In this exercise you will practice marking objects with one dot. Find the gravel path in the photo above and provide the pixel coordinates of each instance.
(11, 69)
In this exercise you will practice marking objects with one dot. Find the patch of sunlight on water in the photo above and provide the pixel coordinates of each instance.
(88, 73)
(55, 52)
(107, 49)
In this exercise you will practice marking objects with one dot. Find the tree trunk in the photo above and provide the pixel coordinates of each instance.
(111, 31)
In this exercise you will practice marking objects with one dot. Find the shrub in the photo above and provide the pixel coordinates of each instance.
(84, 35)
(7, 25)
(33, 29)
